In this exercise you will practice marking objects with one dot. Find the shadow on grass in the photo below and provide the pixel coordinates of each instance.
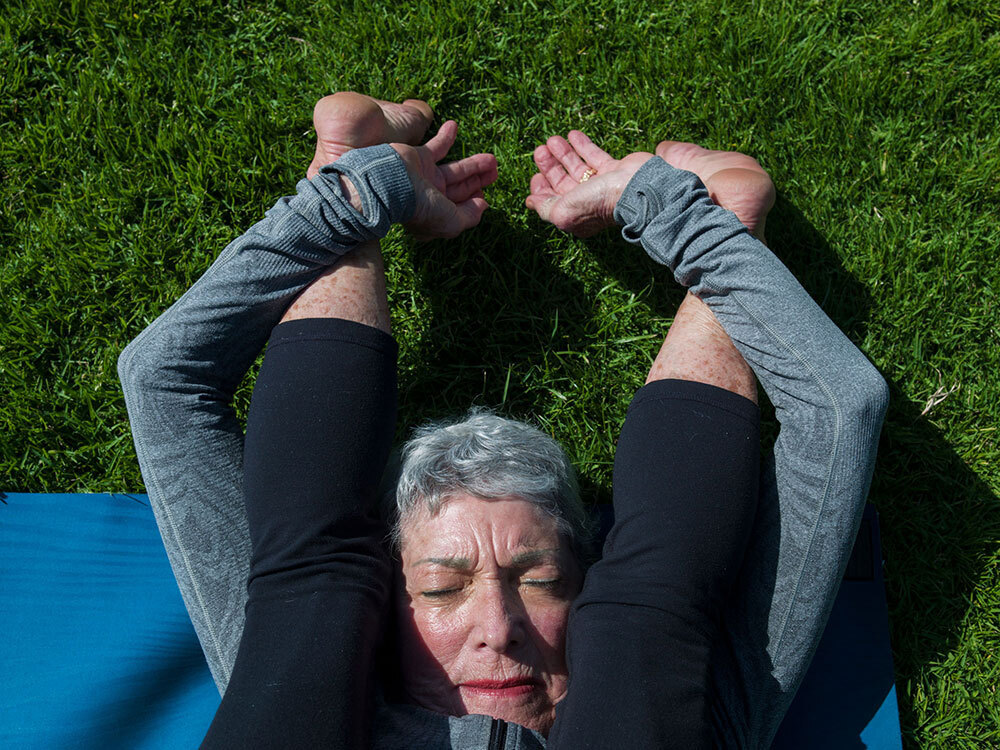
(938, 519)
(939, 524)
(496, 299)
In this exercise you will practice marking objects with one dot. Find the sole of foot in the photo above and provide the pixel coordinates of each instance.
(348, 120)
(735, 181)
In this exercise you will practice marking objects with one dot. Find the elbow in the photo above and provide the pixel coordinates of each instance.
(869, 396)
(880, 395)
(135, 368)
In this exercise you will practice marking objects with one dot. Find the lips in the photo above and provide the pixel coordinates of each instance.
(502, 688)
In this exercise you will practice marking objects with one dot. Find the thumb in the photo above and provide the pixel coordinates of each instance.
(542, 206)
(443, 140)
(470, 212)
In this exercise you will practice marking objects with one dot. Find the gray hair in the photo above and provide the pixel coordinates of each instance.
(488, 456)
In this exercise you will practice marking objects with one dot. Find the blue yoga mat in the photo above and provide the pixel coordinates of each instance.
(848, 698)
(98, 651)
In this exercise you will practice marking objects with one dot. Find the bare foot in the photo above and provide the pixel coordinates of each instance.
(735, 181)
(349, 120)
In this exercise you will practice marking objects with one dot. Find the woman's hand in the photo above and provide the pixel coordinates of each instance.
(449, 196)
(578, 184)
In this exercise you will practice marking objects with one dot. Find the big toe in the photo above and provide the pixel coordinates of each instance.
(679, 154)
(407, 122)
(421, 106)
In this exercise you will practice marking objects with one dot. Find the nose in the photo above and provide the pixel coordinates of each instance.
(499, 619)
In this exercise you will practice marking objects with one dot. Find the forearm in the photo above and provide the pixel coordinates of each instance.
(212, 334)
(179, 376)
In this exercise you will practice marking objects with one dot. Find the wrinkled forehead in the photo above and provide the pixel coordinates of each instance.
(471, 527)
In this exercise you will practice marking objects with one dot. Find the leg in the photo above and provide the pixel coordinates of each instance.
(812, 489)
(645, 630)
(354, 289)
(685, 490)
(318, 435)
(697, 348)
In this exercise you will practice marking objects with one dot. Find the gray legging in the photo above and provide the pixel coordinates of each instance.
(179, 376)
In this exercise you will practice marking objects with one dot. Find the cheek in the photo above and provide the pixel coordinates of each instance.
(435, 636)
(550, 623)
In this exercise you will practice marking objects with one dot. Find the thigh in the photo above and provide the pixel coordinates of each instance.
(646, 628)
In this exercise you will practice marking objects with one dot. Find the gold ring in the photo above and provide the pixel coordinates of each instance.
(588, 174)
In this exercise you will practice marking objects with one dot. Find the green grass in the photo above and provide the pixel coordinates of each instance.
(137, 139)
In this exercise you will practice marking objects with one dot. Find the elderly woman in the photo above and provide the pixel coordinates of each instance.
(696, 625)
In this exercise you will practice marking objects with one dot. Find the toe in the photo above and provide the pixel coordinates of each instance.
(678, 153)
(421, 106)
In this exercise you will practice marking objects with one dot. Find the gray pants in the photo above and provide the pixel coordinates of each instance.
(179, 376)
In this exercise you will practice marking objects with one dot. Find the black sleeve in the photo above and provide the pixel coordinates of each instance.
(642, 632)
(319, 432)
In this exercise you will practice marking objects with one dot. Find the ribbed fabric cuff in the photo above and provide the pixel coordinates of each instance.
(333, 329)
(692, 390)
(655, 188)
(380, 177)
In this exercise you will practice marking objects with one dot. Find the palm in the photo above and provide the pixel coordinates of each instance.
(584, 208)
(735, 181)
(578, 184)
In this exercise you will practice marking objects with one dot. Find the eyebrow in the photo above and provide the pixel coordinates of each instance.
(534, 556)
(455, 563)
(520, 560)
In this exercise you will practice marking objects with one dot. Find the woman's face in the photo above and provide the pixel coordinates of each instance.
(484, 599)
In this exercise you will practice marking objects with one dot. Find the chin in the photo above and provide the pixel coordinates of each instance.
(538, 718)
(541, 724)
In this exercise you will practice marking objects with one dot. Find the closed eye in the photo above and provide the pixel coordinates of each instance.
(544, 583)
(439, 593)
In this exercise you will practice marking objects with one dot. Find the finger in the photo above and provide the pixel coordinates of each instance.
(563, 151)
(553, 170)
(540, 185)
(468, 188)
(442, 140)
(483, 165)
(541, 155)
(596, 157)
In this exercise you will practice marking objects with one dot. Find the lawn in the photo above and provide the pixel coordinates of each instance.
(137, 139)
